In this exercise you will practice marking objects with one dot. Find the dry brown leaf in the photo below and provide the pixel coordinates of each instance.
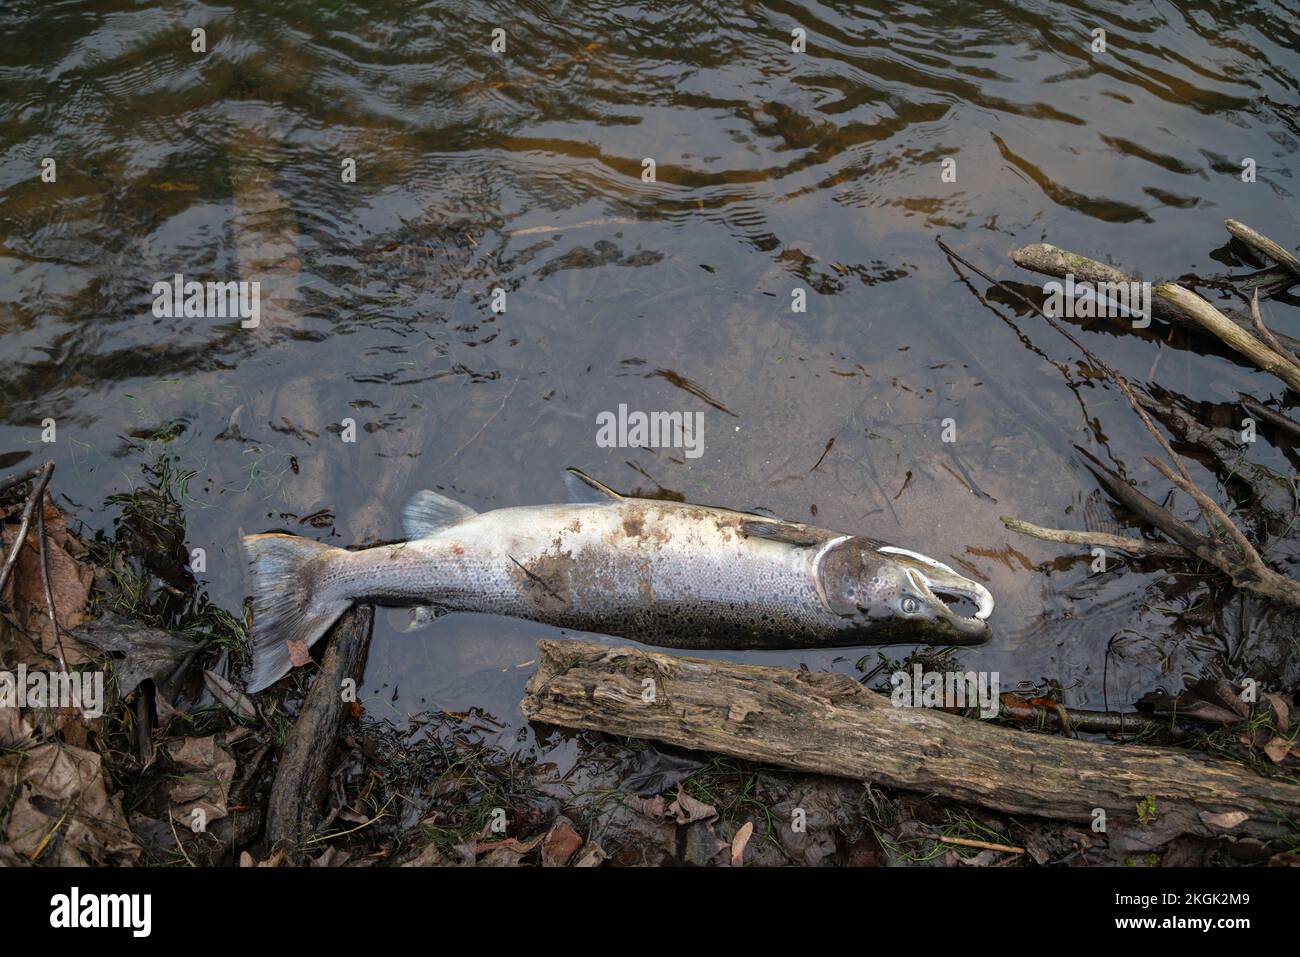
(1281, 710)
(135, 651)
(1226, 820)
(15, 729)
(1277, 749)
(333, 857)
(62, 813)
(229, 696)
(510, 844)
(560, 844)
(199, 794)
(298, 653)
(592, 856)
(738, 844)
(687, 809)
(429, 857)
(70, 579)
(651, 807)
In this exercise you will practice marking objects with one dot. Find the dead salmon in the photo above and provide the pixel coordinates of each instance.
(658, 572)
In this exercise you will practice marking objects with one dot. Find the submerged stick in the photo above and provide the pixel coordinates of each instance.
(827, 723)
(1259, 411)
(7, 483)
(1244, 572)
(1250, 569)
(1134, 546)
(1269, 584)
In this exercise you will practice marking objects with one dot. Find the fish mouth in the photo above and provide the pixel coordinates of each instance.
(947, 593)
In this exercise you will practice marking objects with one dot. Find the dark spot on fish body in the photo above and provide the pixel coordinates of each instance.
(548, 582)
(634, 525)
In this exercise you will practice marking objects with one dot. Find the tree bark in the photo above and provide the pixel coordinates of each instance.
(298, 793)
(830, 724)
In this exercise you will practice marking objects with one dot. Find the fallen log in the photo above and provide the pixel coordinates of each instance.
(828, 723)
(301, 781)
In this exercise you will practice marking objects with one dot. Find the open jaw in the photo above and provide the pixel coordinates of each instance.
(946, 591)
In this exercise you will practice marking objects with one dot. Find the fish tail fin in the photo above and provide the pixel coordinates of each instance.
(288, 602)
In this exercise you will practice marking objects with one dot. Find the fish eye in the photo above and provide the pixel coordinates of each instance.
(909, 605)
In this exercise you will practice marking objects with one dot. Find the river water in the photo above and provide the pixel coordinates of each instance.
(523, 171)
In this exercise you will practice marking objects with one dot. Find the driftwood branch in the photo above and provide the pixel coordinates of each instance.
(1262, 244)
(1249, 570)
(298, 793)
(1274, 493)
(1050, 260)
(1234, 336)
(1243, 572)
(1134, 546)
(828, 723)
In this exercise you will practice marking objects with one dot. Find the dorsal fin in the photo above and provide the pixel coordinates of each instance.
(428, 513)
(583, 488)
(787, 532)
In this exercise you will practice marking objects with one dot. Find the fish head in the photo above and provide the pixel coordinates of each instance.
(901, 592)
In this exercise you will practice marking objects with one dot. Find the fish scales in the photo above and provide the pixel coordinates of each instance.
(662, 573)
(686, 575)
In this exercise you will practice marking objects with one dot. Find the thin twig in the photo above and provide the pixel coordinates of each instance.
(1243, 341)
(1249, 571)
(1134, 546)
(11, 481)
(1268, 337)
(43, 478)
(1120, 382)
(473, 438)
(982, 845)
(180, 846)
(49, 593)
(143, 730)
(1254, 573)
(1209, 504)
